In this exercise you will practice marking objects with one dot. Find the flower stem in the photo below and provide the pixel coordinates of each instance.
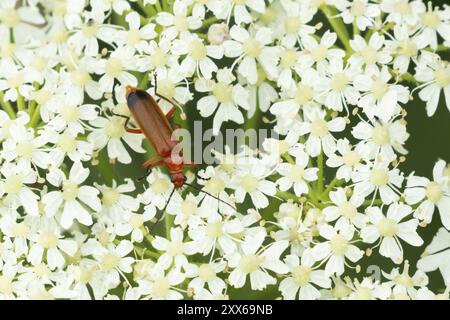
(210, 21)
(35, 117)
(20, 103)
(287, 196)
(338, 26)
(330, 187)
(168, 221)
(148, 9)
(165, 5)
(158, 6)
(376, 202)
(320, 173)
(6, 105)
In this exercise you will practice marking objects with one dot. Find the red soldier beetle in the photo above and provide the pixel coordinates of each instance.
(155, 125)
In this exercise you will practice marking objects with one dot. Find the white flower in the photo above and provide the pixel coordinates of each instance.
(369, 289)
(371, 53)
(337, 247)
(433, 22)
(114, 261)
(361, 12)
(115, 201)
(70, 116)
(298, 174)
(223, 9)
(403, 281)
(157, 194)
(303, 280)
(382, 138)
(161, 285)
(13, 187)
(289, 61)
(295, 97)
(197, 55)
(133, 224)
(86, 34)
(380, 98)
(175, 249)
(436, 77)
(345, 211)
(320, 53)
(348, 159)
(378, 178)
(320, 130)
(14, 81)
(71, 196)
(50, 242)
(178, 22)
(403, 11)
(292, 24)
(22, 21)
(24, 146)
(206, 273)
(251, 48)
(225, 97)
(255, 184)
(336, 88)
(66, 144)
(79, 80)
(437, 255)
(117, 67)
(255, 262)
(118, 6)
(110, 132)
(430, 194)
(405, 46)
(136, 37)
(390, 229)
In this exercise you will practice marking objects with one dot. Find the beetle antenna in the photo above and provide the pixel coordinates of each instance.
(159, 216)
(209, 194)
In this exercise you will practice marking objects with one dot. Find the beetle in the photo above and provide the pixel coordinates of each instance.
(155, 125)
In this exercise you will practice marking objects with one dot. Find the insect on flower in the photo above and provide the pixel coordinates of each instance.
(155, 125)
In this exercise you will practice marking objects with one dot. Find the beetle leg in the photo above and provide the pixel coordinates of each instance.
(192, 165)
(130, 130)
(149, 164)
(201, 178)
(173, 103)
(170, 113)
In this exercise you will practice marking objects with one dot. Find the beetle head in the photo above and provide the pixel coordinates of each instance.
(178, 179)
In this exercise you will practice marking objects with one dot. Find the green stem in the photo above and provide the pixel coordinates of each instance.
(320, 173)
(158, 6)
(20, 103)
(287, 196)
(254, 121)
(355, 29)
(376, 202)
(338, 26)
(168, 221)
(148, 9)
(6, 105)
(165, 5)
(210, 21)
(36, 117)
(330, 187)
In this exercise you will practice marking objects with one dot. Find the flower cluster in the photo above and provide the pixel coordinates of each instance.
(301, 216)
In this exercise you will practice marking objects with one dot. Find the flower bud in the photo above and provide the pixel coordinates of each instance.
(218, 33)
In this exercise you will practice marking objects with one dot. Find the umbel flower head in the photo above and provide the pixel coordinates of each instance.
(298, 216)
